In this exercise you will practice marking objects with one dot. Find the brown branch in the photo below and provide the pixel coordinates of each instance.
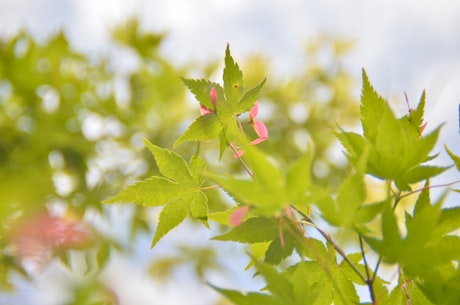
(308, 221)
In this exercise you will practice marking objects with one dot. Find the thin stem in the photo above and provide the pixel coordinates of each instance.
(309, 221)
(397, 200)
(369, 281)
(429, 187)
(364, 256)
(366, 280)
(242, 161)
(208, 187)
(376, 268)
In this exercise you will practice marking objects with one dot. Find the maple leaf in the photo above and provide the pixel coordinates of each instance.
(396, 149)
(178, 190)
(221, 105)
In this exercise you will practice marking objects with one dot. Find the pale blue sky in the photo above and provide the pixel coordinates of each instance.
(405, 45)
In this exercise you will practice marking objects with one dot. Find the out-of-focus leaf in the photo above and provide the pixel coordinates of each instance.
(253, 230)
(454, 158)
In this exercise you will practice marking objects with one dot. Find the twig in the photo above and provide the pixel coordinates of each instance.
(429, 187)
(309, 221)
(369, 281)
(242, 161)
(376, 268)
(339, 250)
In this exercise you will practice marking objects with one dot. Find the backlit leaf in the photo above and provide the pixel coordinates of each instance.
(416, 115)
(251, 298)
(249, 98)
(205, 127)
(171, 216)
(277, 251)
(449, 220)
(277, 282)
(199, 206)
(170, 164)
(454, 158)
(153, 191)
(197, 165)
(253, 230)
(233, 79)
(419, 173)
(201, 89)
(372, 108)
(311, 284)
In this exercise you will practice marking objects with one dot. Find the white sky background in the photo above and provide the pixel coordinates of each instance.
(404, 45)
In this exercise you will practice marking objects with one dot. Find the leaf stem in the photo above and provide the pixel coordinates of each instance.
(242, 161)
(308, 221)
(429, 187)
(341, 252)
(376, 268)
(208, 187)
(369, 281)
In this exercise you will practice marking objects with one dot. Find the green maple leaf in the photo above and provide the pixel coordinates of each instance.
(311, 284)
(201, 89)
(390, 246)
(454, 158)
(278, 250)
(415, 116)
(250, 298)
(205, 127)
(417, 174)
(249, 98)
(233, 78)
(396, 149)
(265, 190)
(232, 100)
(426, 245)
(372, 107)
(269, 189)
(253, 230)
(323, 282)
(278, 283)
(280, 237)
(178, 190)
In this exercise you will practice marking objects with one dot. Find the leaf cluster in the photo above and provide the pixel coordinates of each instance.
(274, 205)
(232, 100)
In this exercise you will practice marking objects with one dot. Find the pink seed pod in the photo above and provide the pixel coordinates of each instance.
(213, 96)
(238, 216)
(254, 111)
(261, 130)
(204, 110)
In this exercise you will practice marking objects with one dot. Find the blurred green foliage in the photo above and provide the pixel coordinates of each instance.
(71, 128)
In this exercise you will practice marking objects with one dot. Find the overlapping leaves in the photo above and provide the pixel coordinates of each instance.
(269, 193)
(310, 282)
(428, 230)
(232, 100)
(391, 148)
(269, 190)
(397, 150)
